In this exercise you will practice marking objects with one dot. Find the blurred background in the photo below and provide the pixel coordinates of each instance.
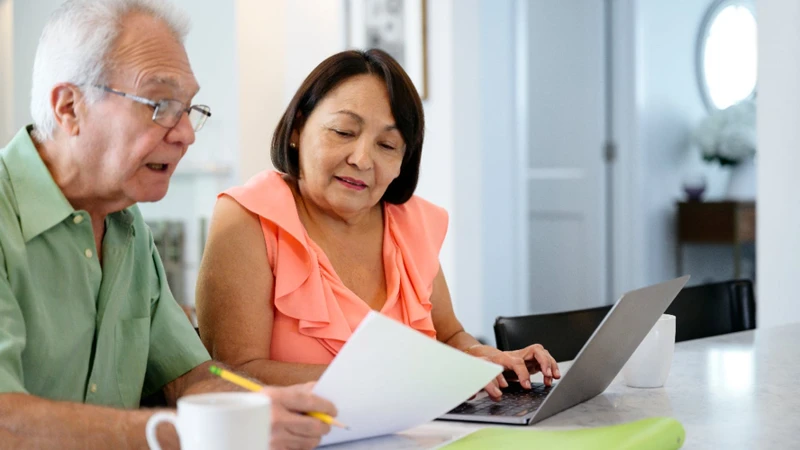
(583, 148)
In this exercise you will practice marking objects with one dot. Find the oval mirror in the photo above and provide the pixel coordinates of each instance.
(727, 53)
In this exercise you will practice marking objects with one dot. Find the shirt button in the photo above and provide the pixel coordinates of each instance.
(93, 388)
(77, 220)
(88, 253)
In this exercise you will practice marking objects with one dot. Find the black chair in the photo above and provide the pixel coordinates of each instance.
(713, 309)
(563, 334)
(700, 311)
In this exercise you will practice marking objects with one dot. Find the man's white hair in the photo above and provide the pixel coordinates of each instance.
(75, 48)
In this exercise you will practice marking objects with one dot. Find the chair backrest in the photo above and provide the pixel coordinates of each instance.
(701, 311)
(714, 309)
(563, 334)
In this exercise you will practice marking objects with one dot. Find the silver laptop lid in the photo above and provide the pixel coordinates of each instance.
(610, 346)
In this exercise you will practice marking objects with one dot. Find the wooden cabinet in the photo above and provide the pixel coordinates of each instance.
(726, 222)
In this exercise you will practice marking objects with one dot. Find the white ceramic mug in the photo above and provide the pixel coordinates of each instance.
(649, 365)
(217, 421)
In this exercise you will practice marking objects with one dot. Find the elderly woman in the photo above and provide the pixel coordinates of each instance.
(296, 259)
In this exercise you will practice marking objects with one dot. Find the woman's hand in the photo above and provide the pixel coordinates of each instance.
(522, 363)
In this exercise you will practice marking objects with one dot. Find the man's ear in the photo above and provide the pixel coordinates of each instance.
(67, 103)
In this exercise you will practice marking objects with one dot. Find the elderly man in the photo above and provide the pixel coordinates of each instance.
(87, 321)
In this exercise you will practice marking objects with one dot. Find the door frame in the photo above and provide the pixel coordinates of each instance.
(624, 247)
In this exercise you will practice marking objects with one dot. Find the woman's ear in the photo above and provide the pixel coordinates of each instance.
(297, 128)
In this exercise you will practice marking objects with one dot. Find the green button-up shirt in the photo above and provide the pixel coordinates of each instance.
(71, 328)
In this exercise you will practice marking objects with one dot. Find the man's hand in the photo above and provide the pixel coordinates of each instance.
(291, 429)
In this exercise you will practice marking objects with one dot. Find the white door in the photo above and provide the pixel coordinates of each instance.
(565, 171)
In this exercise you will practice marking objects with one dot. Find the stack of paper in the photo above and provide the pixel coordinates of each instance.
(389, 377)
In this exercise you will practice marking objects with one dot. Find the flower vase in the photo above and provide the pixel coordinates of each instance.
(742, 183)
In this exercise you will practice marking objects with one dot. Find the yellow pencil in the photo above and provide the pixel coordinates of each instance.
(236, 379)
(255, 387)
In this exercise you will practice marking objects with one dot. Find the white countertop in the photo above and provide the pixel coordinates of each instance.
(733, 391)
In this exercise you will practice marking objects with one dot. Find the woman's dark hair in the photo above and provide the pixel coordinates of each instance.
(403, 98)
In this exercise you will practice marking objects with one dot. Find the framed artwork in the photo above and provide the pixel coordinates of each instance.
(396, 26)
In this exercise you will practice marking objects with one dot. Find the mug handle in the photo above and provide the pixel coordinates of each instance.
(152, 425)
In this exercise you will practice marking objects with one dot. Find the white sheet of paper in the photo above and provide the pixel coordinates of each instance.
(389, 377)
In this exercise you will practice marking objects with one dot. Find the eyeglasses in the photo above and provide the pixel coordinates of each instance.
(168, 112)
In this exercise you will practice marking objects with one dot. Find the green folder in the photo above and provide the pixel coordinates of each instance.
(657, 433)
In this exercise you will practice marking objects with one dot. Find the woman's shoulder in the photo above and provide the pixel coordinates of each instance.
(418, 211)
(263, 185)
(419, 223)
(268, 196)
(265, 194)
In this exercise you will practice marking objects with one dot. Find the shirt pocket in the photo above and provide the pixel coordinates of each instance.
(132, 349)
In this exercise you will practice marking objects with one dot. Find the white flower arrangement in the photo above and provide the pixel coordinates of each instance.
(729, 135)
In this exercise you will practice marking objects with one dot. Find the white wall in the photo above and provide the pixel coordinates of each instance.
(210, 164)
(6, 71)
(276, 52)
(668, 106)
(307, 48)
(437, 174)
(29, 19)
(496, 50)
(466, 135)
(261, 52)
(778, 212)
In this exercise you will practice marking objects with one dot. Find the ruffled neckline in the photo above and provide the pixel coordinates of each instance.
(307, 287)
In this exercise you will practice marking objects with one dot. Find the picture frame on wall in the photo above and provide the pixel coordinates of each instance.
(396, 26)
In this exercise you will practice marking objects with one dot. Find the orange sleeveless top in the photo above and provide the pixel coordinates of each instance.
(314, 312)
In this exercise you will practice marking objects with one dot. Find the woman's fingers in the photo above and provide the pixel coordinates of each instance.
(554, 367)
(543, 358)
(493, 390)
(501, 381)
(513, 362)
(537, 358)
(520, 364)
(549, 365)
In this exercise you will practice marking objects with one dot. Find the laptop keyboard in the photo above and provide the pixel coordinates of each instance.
(516, 401)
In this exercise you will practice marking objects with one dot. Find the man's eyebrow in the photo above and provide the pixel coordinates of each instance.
(171, 82)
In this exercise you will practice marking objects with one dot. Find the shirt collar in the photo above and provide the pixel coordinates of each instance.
(41, 203)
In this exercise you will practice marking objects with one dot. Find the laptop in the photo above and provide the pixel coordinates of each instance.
(595, 367)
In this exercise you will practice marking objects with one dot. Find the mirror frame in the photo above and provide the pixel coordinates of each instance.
(711, 14)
